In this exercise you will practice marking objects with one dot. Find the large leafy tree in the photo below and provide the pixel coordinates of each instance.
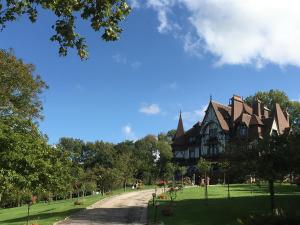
(146, 153)
(20, 88)
(104, 16)
(273, 162)
(269, 98)
(28, 165)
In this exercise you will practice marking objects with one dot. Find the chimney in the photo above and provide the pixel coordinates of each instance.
(257, 107)
(236, 107)
(264, 112)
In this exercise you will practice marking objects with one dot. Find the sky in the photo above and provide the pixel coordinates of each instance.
(172, 55)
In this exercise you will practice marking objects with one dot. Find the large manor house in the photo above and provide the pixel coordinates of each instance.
(222, 123)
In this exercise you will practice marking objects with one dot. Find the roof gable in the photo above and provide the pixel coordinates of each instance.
(217, 112)
(282, 122)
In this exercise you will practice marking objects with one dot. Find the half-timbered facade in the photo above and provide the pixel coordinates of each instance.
(222, 123)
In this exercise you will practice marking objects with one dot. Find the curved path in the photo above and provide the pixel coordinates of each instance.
(129, 208)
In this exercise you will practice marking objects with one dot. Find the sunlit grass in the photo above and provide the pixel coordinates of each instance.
(190, 208)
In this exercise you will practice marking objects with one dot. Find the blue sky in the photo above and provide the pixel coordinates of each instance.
(164, 62)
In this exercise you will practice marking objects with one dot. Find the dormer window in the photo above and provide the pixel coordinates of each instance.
(243, 131)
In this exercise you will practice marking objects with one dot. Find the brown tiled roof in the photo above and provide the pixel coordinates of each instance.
(247, 109)
(281, 120)
(245, 118)
(222, 112)
(179, 136)
(259, 124)
(180, 129)
(255, 120)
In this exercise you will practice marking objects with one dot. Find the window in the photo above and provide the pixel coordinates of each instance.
(192, 153)
(192, 140)
(243, 131)
(213, 131)
(214, 150)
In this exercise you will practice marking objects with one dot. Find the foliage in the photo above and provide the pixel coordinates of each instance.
(103, 16)
(269, 98)
(19, 88)
(204, 165)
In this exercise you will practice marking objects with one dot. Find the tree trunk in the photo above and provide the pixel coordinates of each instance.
(206, 191)
(224, 178)
(228, 189)
(28, 212)
(272, 195)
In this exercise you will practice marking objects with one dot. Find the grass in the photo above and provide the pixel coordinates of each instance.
(49, 213)
(190, 209)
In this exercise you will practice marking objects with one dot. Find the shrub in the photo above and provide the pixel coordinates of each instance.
(161, 183)
(162, 196)
(187, 181)
(140, 186)
(78, 202)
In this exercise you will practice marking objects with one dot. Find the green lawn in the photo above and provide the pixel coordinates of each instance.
(48, 213)
(190, 208)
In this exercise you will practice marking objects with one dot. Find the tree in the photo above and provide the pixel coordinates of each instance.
(167, 137)
(19, 88)
(270, 98)
(146, 155)
(272, 162)
(74, 147)
(224, 165)
(103, 16)
(182, 170)
(205, 167)
(166, 170)
(125, 165)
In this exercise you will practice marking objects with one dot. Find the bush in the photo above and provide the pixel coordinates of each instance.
(187, 181)
(279, 218)
(78, 202)
(161, 183)
(140, 186)
(162, 196)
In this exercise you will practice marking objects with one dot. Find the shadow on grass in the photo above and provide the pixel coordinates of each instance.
(222, 211)
(90, 216)
(263, 189)
(40, 216)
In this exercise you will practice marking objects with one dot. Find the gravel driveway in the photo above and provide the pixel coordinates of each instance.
(129, 208)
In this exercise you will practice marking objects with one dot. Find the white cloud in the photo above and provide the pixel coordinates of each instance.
(121, 59)
(238, 32)
(134, 4)
(118, 58)
(150, 109)
(128, 132)
(163, 8)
